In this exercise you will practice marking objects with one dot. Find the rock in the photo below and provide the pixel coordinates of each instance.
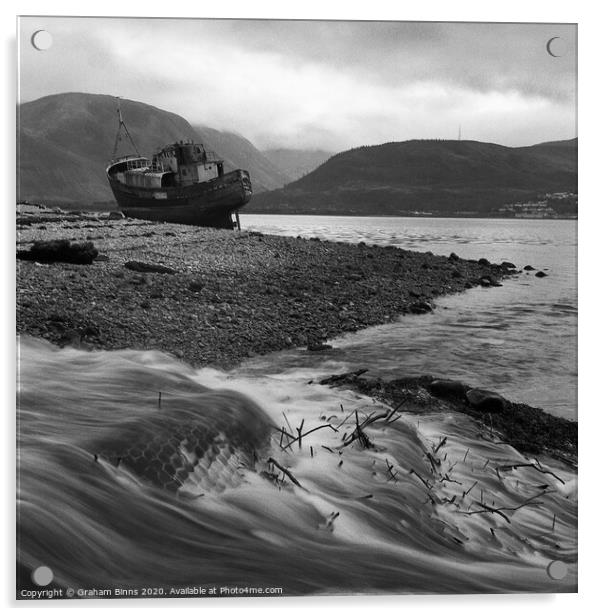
(484, 400)
(446, 388)
(485, 281)
(102, 258)
(508, 265)
(456, 273)
(318, 346)
(540, 274)
(196, 286)
(141, 266)
(528, 268)
(453, 257)
(63, 251)
(421, 308)
(116, 215)
(483, 261)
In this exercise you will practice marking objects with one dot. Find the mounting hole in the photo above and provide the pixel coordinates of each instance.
(42, 576)
(41, 40)
(557, 570)
(557, 47)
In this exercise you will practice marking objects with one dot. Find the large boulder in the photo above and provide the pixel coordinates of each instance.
(484, 400)
(447, 388)
(64, 251)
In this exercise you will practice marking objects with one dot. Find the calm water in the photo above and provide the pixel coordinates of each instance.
(519, 339)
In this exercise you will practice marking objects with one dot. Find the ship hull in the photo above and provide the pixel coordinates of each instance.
(205, 204)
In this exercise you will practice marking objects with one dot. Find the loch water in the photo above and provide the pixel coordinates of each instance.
(519, 339)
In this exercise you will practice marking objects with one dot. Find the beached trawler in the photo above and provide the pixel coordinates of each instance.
(182, 183)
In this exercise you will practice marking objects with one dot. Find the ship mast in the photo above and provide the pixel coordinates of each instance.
(125, 128)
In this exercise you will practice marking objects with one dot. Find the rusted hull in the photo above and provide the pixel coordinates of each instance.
(207, 204)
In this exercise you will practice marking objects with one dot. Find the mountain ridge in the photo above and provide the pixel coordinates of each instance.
(428, 176)
(64, 142)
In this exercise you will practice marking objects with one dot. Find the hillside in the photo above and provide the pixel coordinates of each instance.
(297, 163)
(264, 173)
(65, 141)
(430, 176)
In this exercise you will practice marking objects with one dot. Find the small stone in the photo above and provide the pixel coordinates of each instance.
(453, 257)
(141, 266)
(196, 286)
(116, 215)
(483, 261)
(528, 268)
(421, 307)
(540, 274)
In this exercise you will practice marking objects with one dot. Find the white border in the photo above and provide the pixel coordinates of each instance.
(589, 230)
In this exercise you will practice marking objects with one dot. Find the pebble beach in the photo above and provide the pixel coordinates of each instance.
(216, 297)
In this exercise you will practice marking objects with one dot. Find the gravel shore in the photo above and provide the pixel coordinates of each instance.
(221, 295)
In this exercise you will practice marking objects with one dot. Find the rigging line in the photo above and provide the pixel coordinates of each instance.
(127, 132)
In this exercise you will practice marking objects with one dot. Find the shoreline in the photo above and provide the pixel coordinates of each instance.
(214, 298)
(222, 296)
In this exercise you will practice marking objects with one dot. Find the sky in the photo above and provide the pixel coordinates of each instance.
(327, 85)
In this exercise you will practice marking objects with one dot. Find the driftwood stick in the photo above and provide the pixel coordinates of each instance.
(426, 483)
(469, 489)
(287, 422)
(538, 467)
(294, 439)
(441, 443)
(500, 510)
(286, 472)
(346, 418)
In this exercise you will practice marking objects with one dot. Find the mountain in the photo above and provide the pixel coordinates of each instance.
(427, 176)
(264, 173)
(297, 163)
(66, 140)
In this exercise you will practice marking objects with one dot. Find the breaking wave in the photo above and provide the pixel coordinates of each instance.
(227, 502)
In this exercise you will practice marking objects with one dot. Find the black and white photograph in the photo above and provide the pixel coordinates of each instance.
(296, 308)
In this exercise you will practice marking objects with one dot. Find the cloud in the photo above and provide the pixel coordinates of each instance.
(330, 85)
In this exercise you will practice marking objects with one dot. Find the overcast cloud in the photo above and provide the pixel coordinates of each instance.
(330, 85)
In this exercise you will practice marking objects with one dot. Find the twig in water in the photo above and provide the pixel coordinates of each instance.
(287, 422)
(299, 432)
(500, 510)
(464, 494)
(441, 443)
(538, 467)
(159, 399)
(390, 470)
(464, 460)
(286, 472)
(426, 483)
(298, 438)
(447, 478)
(346, 418)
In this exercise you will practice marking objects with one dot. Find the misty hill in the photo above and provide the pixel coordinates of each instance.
(66, 140)
(431, 176)
(297, 163)
(265, 175)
